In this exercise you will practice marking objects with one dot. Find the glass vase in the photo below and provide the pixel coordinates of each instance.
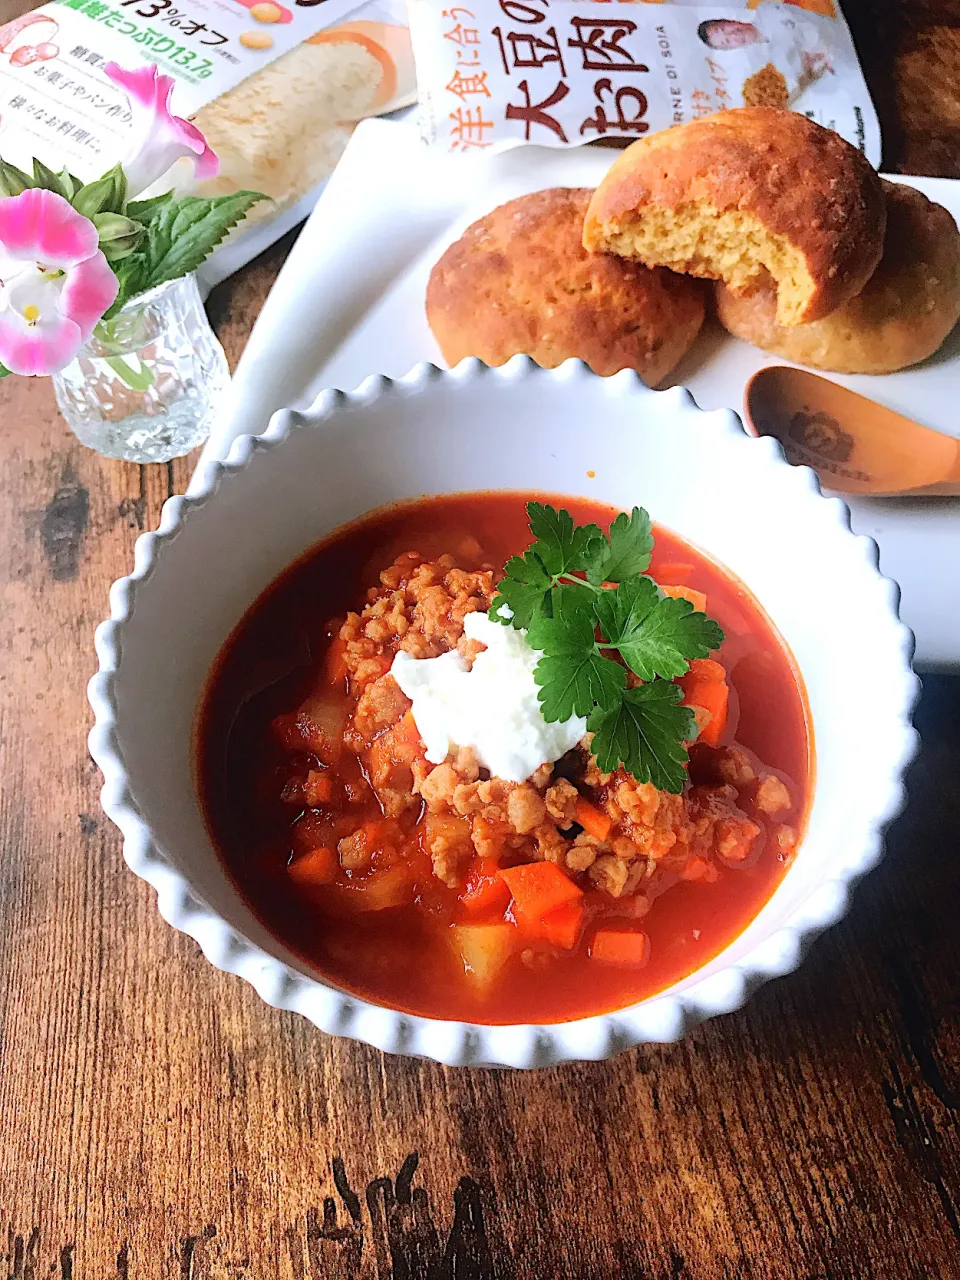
(146, 386)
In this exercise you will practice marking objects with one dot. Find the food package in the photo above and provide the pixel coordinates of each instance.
(494, 74)
(276, 90)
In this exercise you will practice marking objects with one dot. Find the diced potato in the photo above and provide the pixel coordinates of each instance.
(391, 887)
(484, 950)
(321, 722)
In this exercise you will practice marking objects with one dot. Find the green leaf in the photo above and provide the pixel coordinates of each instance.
(47, 179)
(105, 195)
(627, 554)
(525, 589)
(645, 732)
(131, 274)
(185, 232)
(146, 210)
(655, 637)
(13, 180)
(572, 674)
(574, 684)
(71, 184)
(562, 546)
(119, 180)
(119, 236)
(4, 371)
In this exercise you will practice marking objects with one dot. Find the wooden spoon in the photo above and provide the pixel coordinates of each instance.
(853, 444)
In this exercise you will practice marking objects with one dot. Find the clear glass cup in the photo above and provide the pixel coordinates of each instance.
(146, 386)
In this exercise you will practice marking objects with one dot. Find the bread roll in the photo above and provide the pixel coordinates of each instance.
(906, 309)
(743, 195)
(519, 281)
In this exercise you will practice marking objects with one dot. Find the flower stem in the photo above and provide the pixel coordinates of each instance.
(137, 381)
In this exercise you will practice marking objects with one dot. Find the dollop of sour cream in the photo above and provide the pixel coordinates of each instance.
(491, 706)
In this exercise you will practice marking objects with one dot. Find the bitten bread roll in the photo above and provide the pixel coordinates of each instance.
(906, 309)
(743, 193)
(519, 281)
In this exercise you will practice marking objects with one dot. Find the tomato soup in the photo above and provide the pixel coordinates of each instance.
(436, 888)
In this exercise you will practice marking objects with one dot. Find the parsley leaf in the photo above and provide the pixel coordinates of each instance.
(655, 637)
(627, 554)
(588, 635)
(573, 674)
(562, 546)
(525, 589)
(645, 732)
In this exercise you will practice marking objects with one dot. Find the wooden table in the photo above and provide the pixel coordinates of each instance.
(157, 1120)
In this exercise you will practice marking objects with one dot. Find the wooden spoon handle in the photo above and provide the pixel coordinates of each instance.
(953, 475)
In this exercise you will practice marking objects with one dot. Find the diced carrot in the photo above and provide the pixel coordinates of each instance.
(485, 893)
(318, 789)
(319, 866)
(714, 698)
(562, 925)
(674, 570)
(706, 670)
(705, 686)
(593, 820)
(538, 888)
(620, 947)
(699, 869)
(697, 598)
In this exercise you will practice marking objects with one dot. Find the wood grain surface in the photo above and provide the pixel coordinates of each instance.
(158, 1121)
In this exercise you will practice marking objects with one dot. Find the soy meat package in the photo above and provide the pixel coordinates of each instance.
(498, 73)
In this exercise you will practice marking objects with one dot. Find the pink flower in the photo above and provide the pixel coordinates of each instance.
(55, 284)
(159, 138)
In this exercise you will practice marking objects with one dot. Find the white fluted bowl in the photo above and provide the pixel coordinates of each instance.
(518, 427)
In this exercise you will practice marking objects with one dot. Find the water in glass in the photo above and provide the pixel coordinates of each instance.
(146, 386)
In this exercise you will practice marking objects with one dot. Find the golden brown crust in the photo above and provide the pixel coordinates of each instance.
(520, 281)
(799, 181)
(903, 314)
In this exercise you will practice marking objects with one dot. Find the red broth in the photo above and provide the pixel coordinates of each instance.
(401, 956)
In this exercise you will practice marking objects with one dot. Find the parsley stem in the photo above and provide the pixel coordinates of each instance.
(575, 582)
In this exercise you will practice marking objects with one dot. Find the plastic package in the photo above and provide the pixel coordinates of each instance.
(498, 73)
(276, 90)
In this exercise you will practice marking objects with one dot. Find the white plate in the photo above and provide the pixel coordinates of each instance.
(349, 302)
